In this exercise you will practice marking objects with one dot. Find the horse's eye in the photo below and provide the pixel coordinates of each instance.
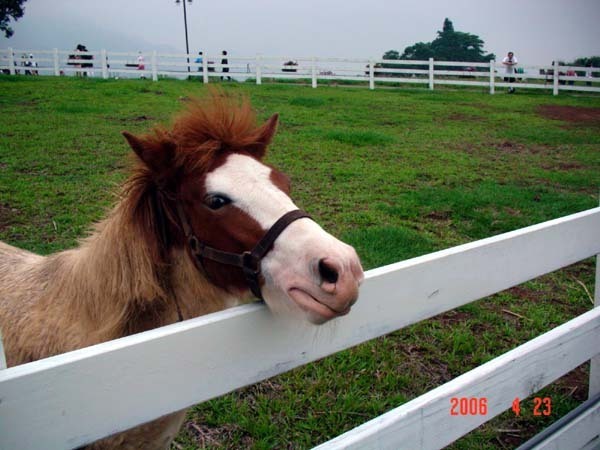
(217, 201)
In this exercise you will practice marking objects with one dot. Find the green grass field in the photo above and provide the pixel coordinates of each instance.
(396, 173)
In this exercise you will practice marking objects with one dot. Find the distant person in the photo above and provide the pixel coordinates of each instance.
(73, 57)
(140, 63)
(33, 64)
(82, 49)
(198, 60)
(5, 62)
(510, 61)
(25, 63)
(571, 73)
(225, 65)
(588, 74)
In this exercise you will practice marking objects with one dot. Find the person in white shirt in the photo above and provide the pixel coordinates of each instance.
(140, 63)
(588, 75)
(510, 61)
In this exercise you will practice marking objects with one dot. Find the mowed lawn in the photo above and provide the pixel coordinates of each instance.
(397, 173)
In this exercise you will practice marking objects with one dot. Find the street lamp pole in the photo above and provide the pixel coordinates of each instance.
(187, 46)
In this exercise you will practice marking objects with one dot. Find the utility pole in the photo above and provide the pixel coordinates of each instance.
(187, 46)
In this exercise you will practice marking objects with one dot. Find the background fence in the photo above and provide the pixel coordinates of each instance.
(72, 399)
(310, 70)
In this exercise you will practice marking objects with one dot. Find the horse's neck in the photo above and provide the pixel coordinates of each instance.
(194, 294)
(116, 288)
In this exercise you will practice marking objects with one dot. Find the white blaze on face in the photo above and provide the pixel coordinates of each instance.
(292, 266)
(247, 183)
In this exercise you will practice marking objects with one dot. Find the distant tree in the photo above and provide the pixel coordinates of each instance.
(448, 26)
(449, 45)
(10, 9)
(391, 54)
(419, 51)
(586, 61)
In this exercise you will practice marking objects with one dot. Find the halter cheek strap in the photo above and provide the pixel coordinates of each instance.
(248, 261)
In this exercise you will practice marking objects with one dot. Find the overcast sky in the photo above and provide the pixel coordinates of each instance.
(538, 31)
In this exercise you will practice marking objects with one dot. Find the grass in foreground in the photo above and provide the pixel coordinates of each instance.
(396, 173)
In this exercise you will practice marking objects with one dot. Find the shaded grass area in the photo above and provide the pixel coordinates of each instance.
(396, 173)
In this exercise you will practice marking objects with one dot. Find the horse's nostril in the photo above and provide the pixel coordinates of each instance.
(328, 272)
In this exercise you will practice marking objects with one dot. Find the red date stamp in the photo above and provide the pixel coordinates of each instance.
(478, 406)
(541, 406)
(468, 406)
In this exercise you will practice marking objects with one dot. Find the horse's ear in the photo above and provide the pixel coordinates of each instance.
(155, 154)
(265, 135)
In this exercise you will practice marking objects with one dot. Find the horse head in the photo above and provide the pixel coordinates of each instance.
(203, 185)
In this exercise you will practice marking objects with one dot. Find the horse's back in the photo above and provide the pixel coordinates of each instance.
(10, 254)
(14, 261)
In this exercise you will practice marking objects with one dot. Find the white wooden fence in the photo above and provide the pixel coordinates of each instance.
(72, 399)
(371, 72)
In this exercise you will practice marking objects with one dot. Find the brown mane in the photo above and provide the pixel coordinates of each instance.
(208, 127)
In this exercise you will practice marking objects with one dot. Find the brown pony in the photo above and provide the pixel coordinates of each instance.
(200, 183)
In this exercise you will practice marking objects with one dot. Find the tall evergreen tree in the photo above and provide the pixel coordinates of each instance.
(449, 45)
(448, 26)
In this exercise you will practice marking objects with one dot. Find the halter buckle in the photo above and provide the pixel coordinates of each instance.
(194, 244)
(251, 268)
(250, 264)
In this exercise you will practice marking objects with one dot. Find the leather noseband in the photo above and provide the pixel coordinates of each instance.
(248, 261)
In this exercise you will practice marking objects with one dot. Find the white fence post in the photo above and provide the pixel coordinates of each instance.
(314, 72)
(594, 388)
(56, 62)
(154, 66)
(492, 76)
(104, 63)
(258, 70)
(431, 74)
(371, 75)
(11, 61)
(594, 385)
(205, 69)
(556, 76)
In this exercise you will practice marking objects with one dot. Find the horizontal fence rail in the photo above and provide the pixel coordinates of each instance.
(371, 72)
(75, 398)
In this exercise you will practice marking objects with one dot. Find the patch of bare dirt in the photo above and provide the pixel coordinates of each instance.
(7, 215)
(563, 166)
(147, 91)
(514, 147)
(135, 119)
(575, 383)
(210, 437)
(26, 103)
(439, 215)
(421, 360)
(572, 114)
(465, 117)
(508, 147)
